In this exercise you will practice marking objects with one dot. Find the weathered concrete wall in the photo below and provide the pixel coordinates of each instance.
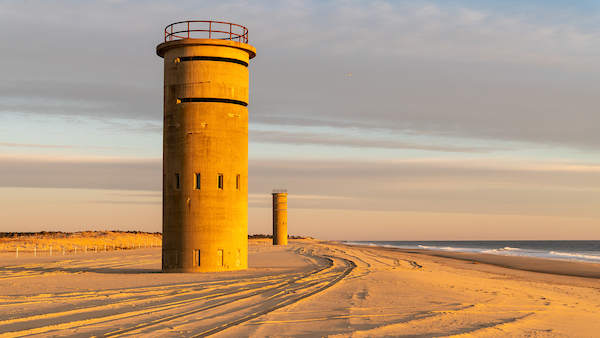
(280, 232)
(205, 155)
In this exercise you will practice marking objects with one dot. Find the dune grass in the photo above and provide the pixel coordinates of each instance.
(43, 243)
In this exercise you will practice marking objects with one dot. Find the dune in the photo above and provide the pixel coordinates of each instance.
(309, 288)
(59, 243)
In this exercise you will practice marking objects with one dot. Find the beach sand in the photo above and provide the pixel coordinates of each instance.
(309, 288)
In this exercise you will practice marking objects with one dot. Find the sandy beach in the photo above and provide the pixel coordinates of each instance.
(309, 288)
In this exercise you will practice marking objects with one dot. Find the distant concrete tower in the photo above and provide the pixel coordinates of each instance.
(280, 232)
(205, 146)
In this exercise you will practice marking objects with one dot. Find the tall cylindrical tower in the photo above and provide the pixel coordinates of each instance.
(205, 146)
(280, 233)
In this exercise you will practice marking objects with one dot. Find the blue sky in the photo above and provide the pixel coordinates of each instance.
(415, 109)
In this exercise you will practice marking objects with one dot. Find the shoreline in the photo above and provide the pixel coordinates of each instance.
(583, 251)
(522, 263)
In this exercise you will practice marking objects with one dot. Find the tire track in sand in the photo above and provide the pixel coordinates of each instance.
(61, 322)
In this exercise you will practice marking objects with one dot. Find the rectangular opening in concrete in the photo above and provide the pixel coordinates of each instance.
(196, 257)
(198, 181)
(237, 182)
(220, 181)
(177, 181)
(220, 257)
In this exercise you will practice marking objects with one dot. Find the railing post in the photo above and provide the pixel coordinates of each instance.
(210, 29)
(188, 29)
(230, 31)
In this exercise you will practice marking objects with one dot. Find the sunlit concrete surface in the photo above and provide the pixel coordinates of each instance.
(205, 156)
(280, 231)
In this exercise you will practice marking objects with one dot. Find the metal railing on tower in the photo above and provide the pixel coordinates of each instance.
(202, 29)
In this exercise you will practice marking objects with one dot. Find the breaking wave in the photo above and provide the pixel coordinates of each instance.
(582, 251)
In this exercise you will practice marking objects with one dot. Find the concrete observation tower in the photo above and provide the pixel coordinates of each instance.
(205, 150)
(280, 232)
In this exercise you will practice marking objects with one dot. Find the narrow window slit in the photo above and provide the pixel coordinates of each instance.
(196, 257)
(198, 181)
(220, 181)
(220, 257)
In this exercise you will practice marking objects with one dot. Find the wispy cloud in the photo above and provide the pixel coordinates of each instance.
(490, 186)
(33, 145)
(80, 173)
(81, 98)
(323, 139)
(453, 185)
(554, 38)
(127, 202)
(265, 200)
(129, 197)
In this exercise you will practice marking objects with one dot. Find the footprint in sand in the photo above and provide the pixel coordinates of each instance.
(361, 295)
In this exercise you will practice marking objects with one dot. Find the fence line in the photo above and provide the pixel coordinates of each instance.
(71, 249)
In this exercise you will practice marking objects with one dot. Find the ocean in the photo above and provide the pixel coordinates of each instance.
(579, 251)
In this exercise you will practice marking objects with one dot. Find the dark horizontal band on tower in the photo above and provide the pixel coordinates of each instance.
(213, 58)
(212, 99)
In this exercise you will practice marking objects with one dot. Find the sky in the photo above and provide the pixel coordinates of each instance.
(385, 120)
